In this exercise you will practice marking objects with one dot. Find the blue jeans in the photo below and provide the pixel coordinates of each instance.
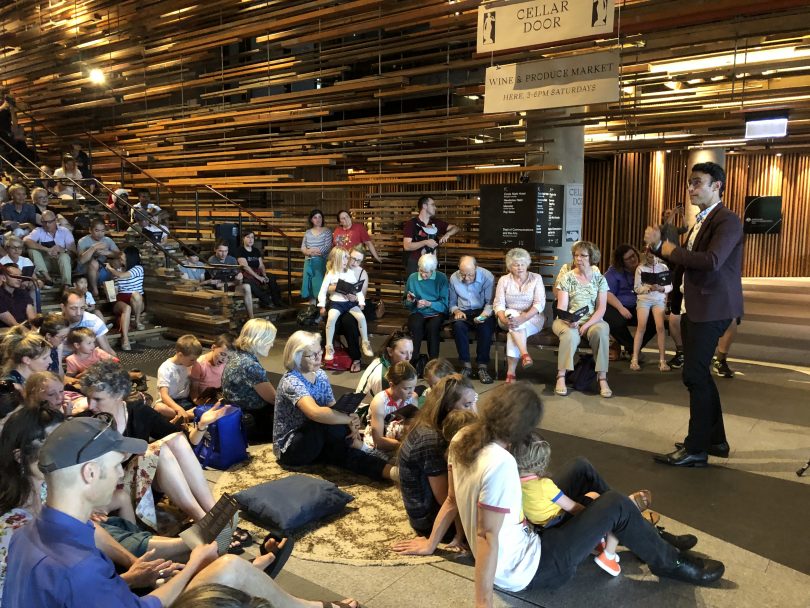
(483, 332)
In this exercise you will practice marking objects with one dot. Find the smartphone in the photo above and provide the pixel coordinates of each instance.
(410, 296)
(480, 319)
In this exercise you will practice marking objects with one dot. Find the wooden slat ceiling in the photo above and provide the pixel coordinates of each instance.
(261, 94)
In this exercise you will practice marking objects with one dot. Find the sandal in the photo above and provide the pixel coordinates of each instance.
(510, 378)
(356, 367)
(634, 366)
(651, 516)
(562, 392)
(526, 360)
(243, 536)
(282, 550)
(126, 346)
(604, 389)
(235, 547)
(663, 367)
(341, 604)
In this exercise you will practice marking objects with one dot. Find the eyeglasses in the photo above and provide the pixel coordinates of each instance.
(316, 355)
(15, 247)
(108, 425)
(354, 259)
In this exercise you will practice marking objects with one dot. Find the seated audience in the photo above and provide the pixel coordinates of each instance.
(582, 288)
(349, 235)
(206, 372)
(520, 303)
(78, 483)
(24, 355)
(435, 370)
(95, 250)
(129, 301)
(150, 227)
(424, 233)
(384, 429)
(46, 389)
(82, 158)
(422, 461)
(484, 491)
(50, 248)
(621, 310)
(54, 328)
(251, 260)
(45, 181)
(174, 386)
(18, 216)
(651, 302)
(67, 177)
(80, 285)
(230, 279)
(191, 264)
(73, 305)
(30, 283)
(16, 305)
(315, 246)
(85, 352)
(145, 205)
(347, 325)
(426, 297)
(306, 428)
(39, 198)
(339, 270)
(397, 347)
(471, 293)
(244, 379)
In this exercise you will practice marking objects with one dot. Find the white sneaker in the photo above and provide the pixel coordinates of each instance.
(366, 348)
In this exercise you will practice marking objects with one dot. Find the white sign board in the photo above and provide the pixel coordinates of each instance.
(553, 83)
(512, 25)
(573, 212)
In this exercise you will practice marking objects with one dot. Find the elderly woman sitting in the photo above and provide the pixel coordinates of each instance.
(244, 379)
(520, 299)
(306, 428)
(579, 288)
(427, 295)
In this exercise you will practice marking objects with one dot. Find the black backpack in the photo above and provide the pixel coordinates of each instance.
(583, 376)
(309, 316)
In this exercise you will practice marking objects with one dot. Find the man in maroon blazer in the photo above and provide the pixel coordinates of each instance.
(712, 298)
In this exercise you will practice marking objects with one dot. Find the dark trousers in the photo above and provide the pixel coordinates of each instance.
(347, 327)
(483, 332)
(705, 412)
(260, 430)
(268, 293)
(569, 543)
(326, 443)
(422, 327)
(619, 327)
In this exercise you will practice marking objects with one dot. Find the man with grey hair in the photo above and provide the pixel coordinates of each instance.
(471, 290)
(51, 247)
(53, 561)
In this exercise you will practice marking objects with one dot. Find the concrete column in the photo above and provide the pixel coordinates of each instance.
(702, 155)
(567, 148)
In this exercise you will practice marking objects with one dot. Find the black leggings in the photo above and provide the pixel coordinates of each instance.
(326, 443)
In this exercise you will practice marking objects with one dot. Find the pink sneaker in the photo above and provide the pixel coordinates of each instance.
(611, 566)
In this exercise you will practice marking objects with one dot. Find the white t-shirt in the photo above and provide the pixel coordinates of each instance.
(93, 322)
(175, 378)
(22, 262)
(492, 482)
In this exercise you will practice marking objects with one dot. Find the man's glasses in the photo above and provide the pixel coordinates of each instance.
(101, 416)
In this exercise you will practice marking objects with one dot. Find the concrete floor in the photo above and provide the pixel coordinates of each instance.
(749, 511)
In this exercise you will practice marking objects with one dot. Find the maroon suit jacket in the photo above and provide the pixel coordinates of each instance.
(712, 281)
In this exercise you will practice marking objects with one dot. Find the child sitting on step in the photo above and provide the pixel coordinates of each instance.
(338, 271)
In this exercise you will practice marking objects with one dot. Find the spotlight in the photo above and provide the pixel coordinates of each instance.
(97, 76)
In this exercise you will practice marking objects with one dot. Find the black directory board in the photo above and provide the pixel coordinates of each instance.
(763, 215)
(521, 215)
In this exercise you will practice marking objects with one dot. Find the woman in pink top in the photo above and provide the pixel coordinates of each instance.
(520, 299)
(206, 373)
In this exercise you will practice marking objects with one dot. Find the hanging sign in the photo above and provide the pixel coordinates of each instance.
(513, 25)
(573, 212)
(553, 83)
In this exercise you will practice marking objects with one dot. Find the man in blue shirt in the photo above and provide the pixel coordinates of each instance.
(471, 290)
(54, 561)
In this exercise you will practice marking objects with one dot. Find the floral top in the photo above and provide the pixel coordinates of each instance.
(293, 387)
(9, 523)
(242, 372)
(580, 294)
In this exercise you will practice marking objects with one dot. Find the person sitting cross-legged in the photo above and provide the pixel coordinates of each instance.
(81, 461)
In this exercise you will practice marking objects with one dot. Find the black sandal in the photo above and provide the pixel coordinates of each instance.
(281, 555)
(243, 536)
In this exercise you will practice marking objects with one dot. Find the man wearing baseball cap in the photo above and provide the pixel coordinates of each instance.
(54, 561)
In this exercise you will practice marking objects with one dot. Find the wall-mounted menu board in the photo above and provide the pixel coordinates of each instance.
(521, 215)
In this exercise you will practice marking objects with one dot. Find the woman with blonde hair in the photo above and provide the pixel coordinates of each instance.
(244, 379)
(306, 428)
(25, 355)
(519, 304)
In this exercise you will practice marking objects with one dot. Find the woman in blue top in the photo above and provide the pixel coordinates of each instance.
(426, 296)
(306, 428)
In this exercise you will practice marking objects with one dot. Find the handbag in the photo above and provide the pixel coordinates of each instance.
(225, 442)
(583, 375)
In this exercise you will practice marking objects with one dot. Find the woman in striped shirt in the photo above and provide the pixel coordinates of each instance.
(129, 303)
(315, 246)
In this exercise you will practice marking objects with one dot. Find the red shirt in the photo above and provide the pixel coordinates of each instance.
(347, 239)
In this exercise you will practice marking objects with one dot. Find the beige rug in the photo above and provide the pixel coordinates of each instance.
(361, 535)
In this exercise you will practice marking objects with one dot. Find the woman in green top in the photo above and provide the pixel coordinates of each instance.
(426, 297)
(582, 287)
